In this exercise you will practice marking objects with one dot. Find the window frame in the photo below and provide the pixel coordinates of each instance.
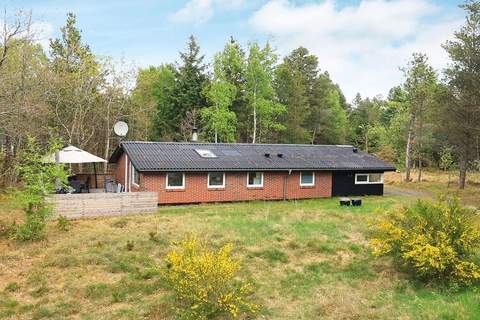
(134, 174)
(307, 184)
(222, 186)
(206, 153)
(368, 178)
(182, 187)
(254, 185)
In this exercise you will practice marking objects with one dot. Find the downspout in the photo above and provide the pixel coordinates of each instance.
(126, 172)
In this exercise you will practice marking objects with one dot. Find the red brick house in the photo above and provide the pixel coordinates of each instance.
(207, 172)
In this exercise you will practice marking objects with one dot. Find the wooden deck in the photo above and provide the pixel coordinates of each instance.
(104, 204)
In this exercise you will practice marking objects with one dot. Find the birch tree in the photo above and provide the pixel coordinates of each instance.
(265, 110)
(419, 86)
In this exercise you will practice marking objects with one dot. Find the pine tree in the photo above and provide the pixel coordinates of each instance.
(294, 82)
(189, 82)
(460, 116)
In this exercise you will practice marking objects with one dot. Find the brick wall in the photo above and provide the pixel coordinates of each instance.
(276, 185)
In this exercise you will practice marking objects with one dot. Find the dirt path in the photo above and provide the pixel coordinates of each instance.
(397, 191)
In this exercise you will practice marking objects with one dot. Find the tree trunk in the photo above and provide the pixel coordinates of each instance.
(419, 177)
(462, 166)
(254, 117)
(7, 163)
(408, 156)
(366, 141)
(107, 141)
(409, 151)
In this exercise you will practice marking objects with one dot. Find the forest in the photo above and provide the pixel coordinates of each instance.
(247, 93)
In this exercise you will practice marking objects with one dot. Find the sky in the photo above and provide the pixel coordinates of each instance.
(361, 43)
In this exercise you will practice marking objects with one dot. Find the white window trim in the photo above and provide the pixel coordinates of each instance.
(205, 153)
(368, 178)
(215, 186)
(254, 185)
(132, 173)
(307, 184)
(174, 187)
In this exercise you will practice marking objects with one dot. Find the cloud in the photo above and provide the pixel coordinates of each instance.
(363, 45)
(42, 33)
(200, 11)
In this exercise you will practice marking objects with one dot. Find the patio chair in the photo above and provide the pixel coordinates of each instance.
(76, 185)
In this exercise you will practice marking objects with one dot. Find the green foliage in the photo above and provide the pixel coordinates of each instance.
(33, 229)
(190, 81)
(68, 52)
(12, 287)
(460, 110)
(260, 94)
(153, 92)
(273, 255)
(63, 224)
(205, 282)
(294, 79)
(434, 241)
(446, 159)
(232, 66)
(39, 180)
(327, 120)
(219, 122)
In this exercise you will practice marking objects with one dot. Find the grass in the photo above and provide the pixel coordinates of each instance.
(436, 182)
(308, 259)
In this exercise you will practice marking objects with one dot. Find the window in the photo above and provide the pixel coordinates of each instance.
(307, 178)
(135, 175)
(205, 153)
(175, 180)
(368, 178)
(255, 179)
(216, 180)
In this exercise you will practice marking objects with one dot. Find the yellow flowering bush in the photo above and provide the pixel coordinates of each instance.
(206, 283)
(435, 241)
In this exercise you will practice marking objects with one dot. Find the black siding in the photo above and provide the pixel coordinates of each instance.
(343, 184)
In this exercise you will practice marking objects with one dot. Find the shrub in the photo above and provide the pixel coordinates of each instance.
(12, 287)
(205, 282)
(62, 223)
(33, 229)
(38, 180)
(434, 241)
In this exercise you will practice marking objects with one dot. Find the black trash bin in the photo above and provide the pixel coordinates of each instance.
(344, 201)
(356, 202)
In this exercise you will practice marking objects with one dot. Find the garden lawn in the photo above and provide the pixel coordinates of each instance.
(308, 259)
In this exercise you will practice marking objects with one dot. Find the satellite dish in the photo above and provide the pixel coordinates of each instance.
(120, 128)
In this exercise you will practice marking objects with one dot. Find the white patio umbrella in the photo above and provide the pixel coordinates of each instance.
(73, 154)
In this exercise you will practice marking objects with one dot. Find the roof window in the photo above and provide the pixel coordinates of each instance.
(205, 153)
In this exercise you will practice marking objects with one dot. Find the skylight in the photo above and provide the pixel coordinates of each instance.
(205, 153)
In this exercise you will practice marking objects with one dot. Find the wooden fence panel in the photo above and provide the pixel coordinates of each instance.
(103, 204)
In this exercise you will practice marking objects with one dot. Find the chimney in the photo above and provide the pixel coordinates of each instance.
(194, 134)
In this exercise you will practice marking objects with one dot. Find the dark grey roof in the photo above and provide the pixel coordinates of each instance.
(177, 156)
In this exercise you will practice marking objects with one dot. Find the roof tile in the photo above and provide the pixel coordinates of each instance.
(178, 156)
